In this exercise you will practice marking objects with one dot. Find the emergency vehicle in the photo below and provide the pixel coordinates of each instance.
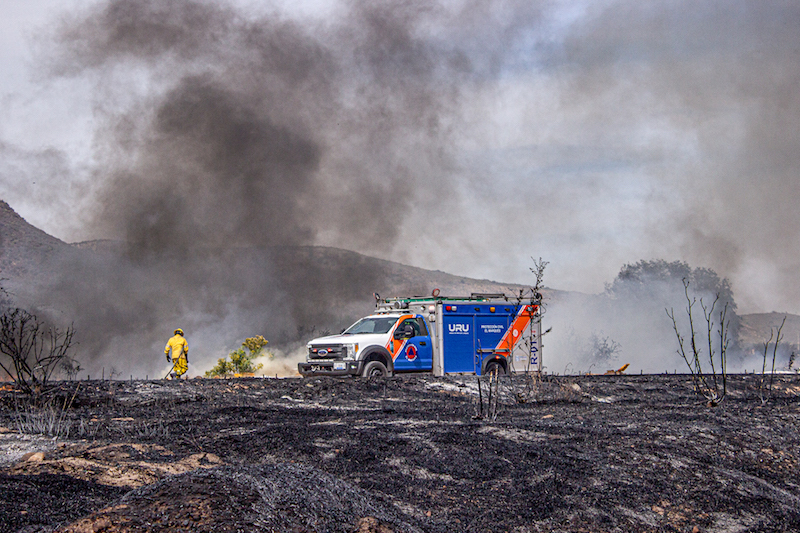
(478, 334)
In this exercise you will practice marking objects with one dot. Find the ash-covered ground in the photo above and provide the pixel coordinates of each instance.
(411, 453)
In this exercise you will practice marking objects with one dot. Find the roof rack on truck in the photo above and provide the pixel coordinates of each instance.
(407, 302)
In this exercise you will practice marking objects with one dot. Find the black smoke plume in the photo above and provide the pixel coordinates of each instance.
(225, 142)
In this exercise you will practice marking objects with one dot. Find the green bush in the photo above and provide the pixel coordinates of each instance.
(241, 361)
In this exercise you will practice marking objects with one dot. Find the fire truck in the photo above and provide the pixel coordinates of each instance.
(478, 334)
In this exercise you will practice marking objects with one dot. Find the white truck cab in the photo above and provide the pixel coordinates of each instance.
(376, 345)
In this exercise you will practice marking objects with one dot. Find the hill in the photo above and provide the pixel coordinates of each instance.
(118, 298)
(25, 250)
(287, 293)
(756, 328)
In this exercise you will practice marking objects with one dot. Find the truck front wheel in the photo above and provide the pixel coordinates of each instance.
(375, 369)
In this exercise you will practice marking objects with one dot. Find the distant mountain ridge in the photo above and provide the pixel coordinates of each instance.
(117, 297)
(306, 275)
(25, 248)
(756, 327)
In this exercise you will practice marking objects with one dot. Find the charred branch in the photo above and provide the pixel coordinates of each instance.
(712, 386)
(31, 351)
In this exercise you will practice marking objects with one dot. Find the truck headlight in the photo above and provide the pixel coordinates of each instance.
(350, 351)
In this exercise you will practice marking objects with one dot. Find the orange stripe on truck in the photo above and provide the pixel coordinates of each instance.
(396, 346)
(513, 334)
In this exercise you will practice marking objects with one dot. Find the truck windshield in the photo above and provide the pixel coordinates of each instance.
(371, 325)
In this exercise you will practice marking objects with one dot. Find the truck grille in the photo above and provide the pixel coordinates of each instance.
(331, 351)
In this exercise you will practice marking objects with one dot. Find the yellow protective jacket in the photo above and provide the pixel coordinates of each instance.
(178, 345)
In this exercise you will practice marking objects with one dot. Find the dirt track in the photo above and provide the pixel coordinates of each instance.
(625, 453)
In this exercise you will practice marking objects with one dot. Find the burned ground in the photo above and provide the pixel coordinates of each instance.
(616, 453)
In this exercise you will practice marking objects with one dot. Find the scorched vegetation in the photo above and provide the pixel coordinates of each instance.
(405, 454)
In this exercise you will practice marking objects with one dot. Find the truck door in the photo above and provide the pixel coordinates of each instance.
(458, 342)
(489, 330)
(413, 346)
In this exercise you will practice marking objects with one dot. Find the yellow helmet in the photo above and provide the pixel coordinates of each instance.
(179, 331)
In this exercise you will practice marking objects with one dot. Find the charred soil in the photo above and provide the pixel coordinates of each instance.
(411, 453)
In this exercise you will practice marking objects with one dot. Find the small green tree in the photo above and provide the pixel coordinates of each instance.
(241, 361)
(713, 389)
(255, 345)
(223, 368)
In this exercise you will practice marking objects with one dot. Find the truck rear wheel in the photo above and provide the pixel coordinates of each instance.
(375, 369)
(492, 367)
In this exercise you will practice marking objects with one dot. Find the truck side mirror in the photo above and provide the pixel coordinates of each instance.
(398, 334)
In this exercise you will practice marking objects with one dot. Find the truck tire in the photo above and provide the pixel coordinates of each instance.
(493, 366)
(375, 369)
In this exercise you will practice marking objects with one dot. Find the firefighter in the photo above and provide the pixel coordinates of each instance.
(179, 356)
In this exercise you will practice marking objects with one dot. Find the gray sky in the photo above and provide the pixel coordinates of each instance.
(466, 136)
